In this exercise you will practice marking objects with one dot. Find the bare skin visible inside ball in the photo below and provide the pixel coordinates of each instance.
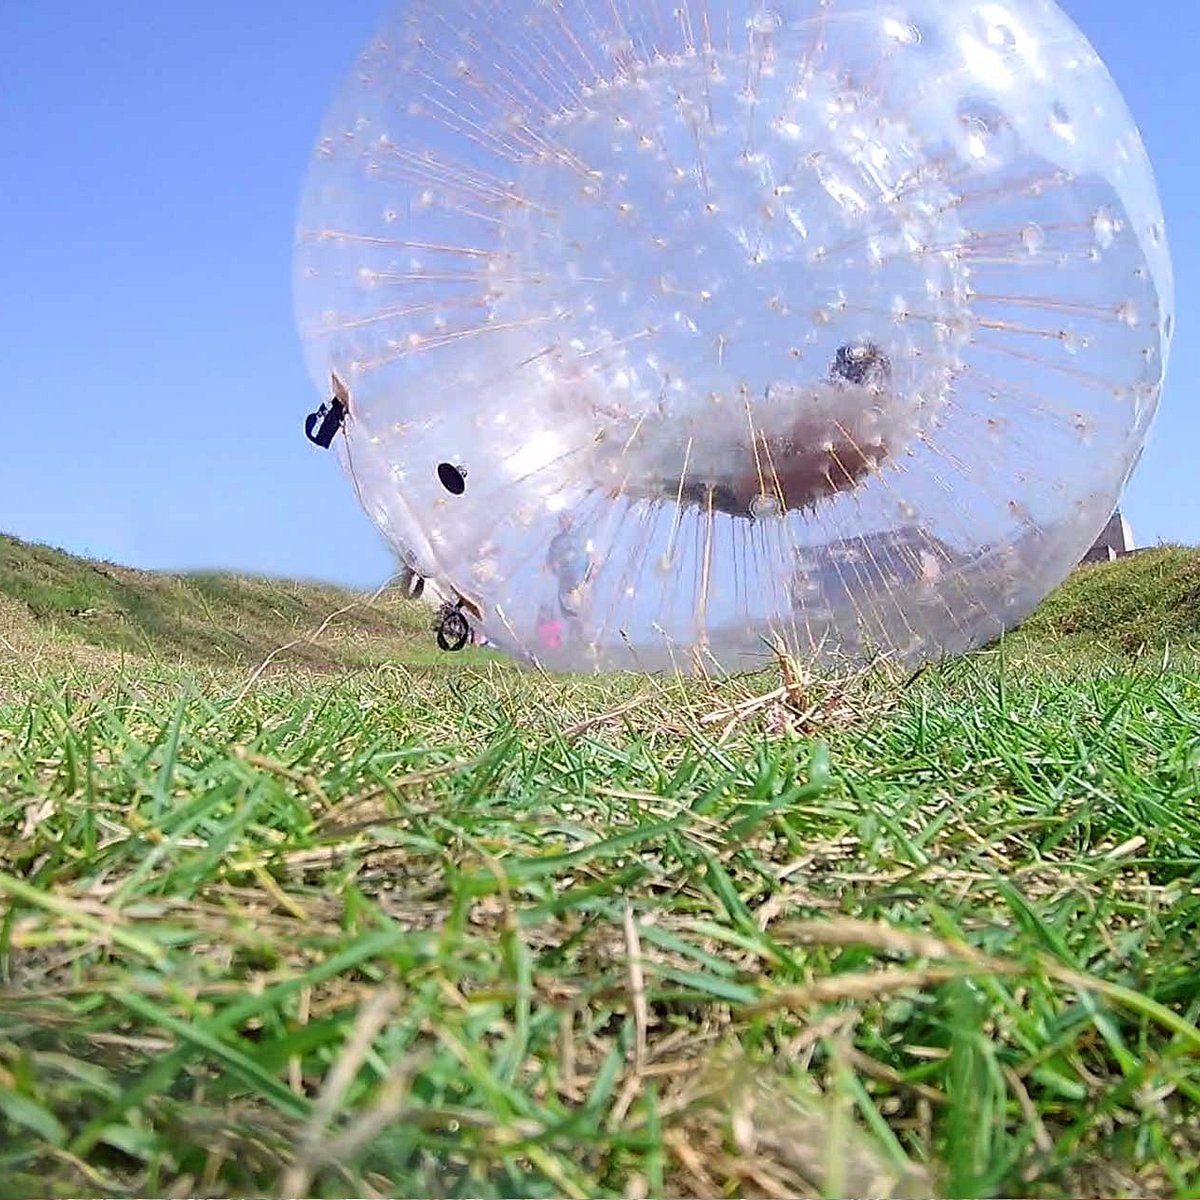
(801, 446)
(829, 451)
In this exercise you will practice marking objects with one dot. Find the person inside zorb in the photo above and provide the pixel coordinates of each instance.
(568, 560)
(720, 325)
(802, 455)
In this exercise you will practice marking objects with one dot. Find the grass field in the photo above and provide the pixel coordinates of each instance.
(352, 920)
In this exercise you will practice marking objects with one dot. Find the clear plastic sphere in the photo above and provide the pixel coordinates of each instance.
(693, 330)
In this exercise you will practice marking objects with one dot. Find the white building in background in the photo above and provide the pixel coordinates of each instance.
(1115, 541)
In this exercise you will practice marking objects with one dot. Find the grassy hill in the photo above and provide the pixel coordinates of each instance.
(1144, 602)
(210, 618)
(401, 930)
(1140, 603)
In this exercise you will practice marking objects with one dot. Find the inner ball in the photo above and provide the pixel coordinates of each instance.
(756, 296)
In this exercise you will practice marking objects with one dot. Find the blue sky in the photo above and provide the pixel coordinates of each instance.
(154, 386)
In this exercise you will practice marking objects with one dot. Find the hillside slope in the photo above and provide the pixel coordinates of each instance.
(46, 595)
(51, 598)
(1146, 602)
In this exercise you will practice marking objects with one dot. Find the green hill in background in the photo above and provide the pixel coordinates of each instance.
(293, 904)
(214, 618)
(1145, 601)
(1140, 603)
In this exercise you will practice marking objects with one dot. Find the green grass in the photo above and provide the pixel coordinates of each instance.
(1144, 601)
(353, 926)
(48, 598)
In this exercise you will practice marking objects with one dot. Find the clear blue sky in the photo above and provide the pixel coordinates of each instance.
(154, 390)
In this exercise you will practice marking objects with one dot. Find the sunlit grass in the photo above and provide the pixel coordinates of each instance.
(291, 905)
(395, 932)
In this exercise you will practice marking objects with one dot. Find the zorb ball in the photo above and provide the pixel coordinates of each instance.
(692, 331)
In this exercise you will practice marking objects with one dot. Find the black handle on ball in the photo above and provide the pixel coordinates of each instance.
(322, 426)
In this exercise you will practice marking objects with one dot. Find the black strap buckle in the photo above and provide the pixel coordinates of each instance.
(322, 426)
